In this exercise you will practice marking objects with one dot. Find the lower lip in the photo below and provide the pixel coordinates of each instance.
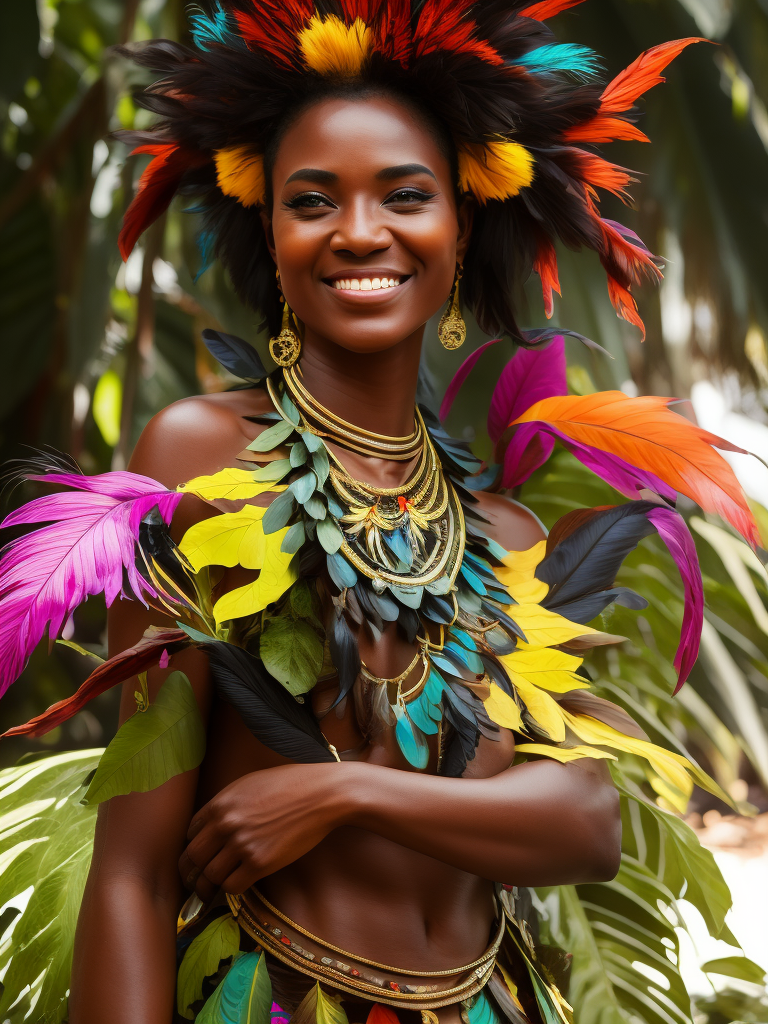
(372, 295)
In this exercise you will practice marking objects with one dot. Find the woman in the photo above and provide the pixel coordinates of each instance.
(365, 627)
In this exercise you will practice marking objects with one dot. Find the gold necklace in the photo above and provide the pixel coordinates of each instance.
(324, 423)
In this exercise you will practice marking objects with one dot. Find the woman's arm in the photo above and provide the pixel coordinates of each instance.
(540, 823)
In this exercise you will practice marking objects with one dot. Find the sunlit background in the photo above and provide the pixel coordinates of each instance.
(92, 348)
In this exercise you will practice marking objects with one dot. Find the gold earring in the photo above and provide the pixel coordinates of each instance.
(452, 331)
(285, 349)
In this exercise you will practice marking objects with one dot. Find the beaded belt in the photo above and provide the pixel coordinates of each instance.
(343, 976)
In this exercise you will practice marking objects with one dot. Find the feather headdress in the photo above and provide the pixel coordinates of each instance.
(518, 105)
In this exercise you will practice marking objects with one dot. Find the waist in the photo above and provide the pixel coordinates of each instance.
(399, 985)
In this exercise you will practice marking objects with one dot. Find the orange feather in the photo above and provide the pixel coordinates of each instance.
(548, 9)
(647, 434)
(545, 266)
(641, 75)
(603, 128)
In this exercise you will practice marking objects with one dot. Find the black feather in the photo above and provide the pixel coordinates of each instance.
(274, 717)
(235, 355)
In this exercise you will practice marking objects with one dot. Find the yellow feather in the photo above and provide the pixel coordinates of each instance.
(236, 538)
(563, 754)
(240, 174)
(330, 47)
(496, 170)
(502, 709)
(544, 628)
(546, 668)
(232, 484)
(279, 571)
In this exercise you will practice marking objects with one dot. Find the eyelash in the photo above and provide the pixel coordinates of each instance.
(304, 200)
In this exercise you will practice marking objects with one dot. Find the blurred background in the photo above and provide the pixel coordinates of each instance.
(92, 348)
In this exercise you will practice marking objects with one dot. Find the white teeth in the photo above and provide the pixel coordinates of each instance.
(365, 284)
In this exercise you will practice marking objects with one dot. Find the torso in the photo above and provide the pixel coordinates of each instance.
(355, 889)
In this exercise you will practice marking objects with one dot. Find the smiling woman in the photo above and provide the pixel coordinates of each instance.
(355, 719)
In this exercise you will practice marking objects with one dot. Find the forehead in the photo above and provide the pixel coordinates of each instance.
(358, 136)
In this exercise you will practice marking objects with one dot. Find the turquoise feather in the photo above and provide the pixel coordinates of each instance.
(419, 711)
(410, 740)
(482, 1012)
(243, 997)
(570, 58)
(214, 28)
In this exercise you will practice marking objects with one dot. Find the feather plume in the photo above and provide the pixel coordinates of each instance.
(146, 653)
(645, 433)
(461, 375)
(548, 9)
(545, 265)
(240, 174)
(496, 170)
(88, 548)
(641, 75)
(444, 25)
(157, 187)
(330, 47)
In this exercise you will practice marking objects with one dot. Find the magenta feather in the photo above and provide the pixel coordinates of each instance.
(88, 547)
(674, 531)
(530, 376)
(461, 375)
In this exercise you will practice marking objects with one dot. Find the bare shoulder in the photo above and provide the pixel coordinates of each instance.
(510, 524)
(199, 435)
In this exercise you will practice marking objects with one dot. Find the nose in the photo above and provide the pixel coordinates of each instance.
(360, 229)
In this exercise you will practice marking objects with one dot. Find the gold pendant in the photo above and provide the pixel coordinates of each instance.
(285, 349)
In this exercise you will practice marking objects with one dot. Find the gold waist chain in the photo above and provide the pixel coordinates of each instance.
(424, 995)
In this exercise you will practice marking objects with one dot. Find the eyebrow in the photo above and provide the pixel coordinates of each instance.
(313, 174)
(403, 170)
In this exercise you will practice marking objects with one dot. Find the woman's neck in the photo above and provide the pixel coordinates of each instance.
(373, 390)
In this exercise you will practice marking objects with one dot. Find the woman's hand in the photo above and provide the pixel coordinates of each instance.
(261, 823)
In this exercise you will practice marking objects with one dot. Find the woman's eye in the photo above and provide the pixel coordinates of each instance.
(308, 201)
(410, 195)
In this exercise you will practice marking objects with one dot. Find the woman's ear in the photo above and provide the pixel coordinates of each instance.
(266, 223)
(465, 214)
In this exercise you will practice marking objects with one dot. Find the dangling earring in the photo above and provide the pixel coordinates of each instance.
(285, 349)
(452, 331)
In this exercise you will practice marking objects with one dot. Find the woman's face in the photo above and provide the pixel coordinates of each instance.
(365, 230)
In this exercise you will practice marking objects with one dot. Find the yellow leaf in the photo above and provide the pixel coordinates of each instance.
(562, 754)
(545, 668)
(232, 484)
(235, 538)
(278, 572)
(545, 711)
(544, 628)
(502, 709)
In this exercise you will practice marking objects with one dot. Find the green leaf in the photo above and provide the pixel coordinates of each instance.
(219, 941)
(271, 437)
(329, 535)
(273, 471)
(292, 652)
(294, 539)
(152, 746)
(740, 967)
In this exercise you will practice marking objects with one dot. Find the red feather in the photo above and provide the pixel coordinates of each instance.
(157, 187)
(274, 25)
(601, 173)
(545, 266)
(605, 129)
(443, 25)
(548, 9)
(136, 659)
(641, 75)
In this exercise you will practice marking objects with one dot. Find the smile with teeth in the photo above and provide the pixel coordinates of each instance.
(365, 284)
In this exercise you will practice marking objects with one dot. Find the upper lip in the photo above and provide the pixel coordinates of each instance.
(367, 273)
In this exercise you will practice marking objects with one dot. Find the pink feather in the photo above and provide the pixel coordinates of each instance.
(88, 547)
